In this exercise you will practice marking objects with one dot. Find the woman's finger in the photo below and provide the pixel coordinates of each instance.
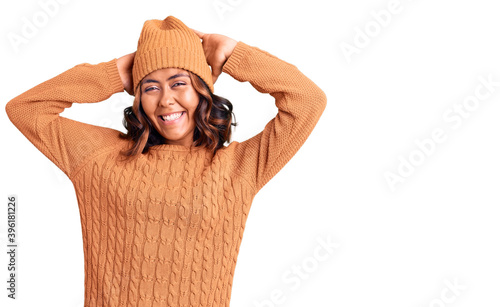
(200, 34)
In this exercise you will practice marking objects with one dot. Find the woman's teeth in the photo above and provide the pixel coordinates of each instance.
(171, 117)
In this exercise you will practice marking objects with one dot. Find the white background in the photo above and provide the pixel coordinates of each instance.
(401, 247)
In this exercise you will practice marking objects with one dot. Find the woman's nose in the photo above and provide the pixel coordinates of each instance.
(167, 99)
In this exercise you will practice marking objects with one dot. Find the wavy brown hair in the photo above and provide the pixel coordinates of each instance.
(213, 118)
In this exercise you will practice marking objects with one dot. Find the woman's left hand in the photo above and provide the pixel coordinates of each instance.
(217, 50)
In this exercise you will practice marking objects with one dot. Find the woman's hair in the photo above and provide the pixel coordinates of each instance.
(213, 118)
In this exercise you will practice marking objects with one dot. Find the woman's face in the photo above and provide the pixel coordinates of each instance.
(170, 100)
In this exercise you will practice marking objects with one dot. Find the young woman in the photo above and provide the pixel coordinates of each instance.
(163, 207)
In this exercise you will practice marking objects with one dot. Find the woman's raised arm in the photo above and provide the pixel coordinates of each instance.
(67, 143)
(300, 104)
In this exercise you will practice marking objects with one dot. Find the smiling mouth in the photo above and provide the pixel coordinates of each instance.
(171, 117)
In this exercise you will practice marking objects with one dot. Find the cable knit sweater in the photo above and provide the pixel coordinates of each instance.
(165, 229)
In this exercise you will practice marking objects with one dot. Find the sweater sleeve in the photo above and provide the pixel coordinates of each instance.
(300, 104)
(64, 141)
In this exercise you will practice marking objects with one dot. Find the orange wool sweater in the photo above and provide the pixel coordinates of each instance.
(165, 229)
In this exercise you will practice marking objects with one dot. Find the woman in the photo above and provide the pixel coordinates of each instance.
(163, 207)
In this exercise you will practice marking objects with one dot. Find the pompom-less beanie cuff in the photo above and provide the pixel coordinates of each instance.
(169, 43)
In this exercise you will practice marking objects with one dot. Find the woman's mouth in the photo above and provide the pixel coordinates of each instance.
(172, 118)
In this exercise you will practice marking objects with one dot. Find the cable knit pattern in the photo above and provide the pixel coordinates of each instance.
(165, 229)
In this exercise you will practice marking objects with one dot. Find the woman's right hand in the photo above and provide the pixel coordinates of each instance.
(125, 64)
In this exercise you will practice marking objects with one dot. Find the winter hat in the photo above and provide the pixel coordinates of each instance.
(169, 43)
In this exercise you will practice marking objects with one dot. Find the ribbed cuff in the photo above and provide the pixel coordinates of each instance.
(116, 84)
(234, 59)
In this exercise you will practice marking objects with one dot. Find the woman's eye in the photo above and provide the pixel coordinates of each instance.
(177, 83)
(150, 88)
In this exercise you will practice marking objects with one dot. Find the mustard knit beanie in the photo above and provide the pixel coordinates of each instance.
(169, 43)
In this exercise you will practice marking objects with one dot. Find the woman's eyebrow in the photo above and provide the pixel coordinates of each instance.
(178, 75)
(171, 77)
